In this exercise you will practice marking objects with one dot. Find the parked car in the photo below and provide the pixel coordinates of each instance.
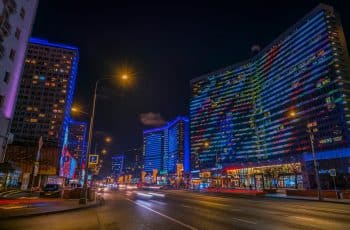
(51, 191)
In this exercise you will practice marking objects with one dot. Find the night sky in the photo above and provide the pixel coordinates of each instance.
(164, 45)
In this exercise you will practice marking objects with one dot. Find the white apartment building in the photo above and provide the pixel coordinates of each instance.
(16, 20)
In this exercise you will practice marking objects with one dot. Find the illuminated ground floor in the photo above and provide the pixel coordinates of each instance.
(333, 168)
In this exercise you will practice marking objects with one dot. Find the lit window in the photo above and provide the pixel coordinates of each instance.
(33, 120)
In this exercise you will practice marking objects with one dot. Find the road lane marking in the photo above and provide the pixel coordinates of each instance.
(303, 218)
(163, 215)
(243, 220)
(186, 206)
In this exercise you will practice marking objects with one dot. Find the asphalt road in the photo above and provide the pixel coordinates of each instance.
(187, 210)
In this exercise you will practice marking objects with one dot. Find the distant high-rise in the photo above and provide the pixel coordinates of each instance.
(133, 162)
(167, 146)
(16, 19)
(46, 93)
(117, 165)
(77, 144)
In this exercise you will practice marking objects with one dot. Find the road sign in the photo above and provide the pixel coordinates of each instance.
(93, 159)
(332, 172)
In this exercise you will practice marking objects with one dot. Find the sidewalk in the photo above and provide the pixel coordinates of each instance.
(284, 196)
(30, 207)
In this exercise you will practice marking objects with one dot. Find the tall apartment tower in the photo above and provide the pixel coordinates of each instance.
(46, 93)
(16, 19)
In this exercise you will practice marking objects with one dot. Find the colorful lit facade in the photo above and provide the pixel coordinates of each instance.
(167, 146)
(46, 93)
(68, 164)
(255, 113)
(16, 20)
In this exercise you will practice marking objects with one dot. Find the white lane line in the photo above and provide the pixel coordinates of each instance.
(302, 218)
(243, 220)
(186, 206)
(163, 215)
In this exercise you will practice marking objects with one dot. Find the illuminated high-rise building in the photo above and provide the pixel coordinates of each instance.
(133, 162)
(251, 119)
(167, 146)
(117, 165)
(46, 93)
(16, 19)
(43, 108)
(77, 143)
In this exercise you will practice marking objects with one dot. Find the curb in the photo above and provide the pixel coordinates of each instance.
(49, 212)
(313, 200)
(233, 195)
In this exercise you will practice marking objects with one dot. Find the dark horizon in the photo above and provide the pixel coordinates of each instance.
(165, 45)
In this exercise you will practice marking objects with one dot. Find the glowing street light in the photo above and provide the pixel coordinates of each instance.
(108, 140)
(104, 151)
(206, 144)
(75, 109)
(125, 77)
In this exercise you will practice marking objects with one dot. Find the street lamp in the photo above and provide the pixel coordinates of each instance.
(108, 140)
(311, 128)
(76, 109)
(83, 200)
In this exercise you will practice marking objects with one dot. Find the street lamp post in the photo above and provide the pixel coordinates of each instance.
(83, 200)
(317, 177)
(311, 128)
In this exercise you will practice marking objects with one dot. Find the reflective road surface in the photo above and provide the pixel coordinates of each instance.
(189, 210)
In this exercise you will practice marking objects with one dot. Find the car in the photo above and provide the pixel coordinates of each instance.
(51, 191)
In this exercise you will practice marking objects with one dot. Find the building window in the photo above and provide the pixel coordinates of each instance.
(7, 77)
(12, 54)
(22, 13)
(17, 33)
(2, 99)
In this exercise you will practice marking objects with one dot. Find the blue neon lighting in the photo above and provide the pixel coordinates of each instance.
(45, 42)
(167, 146)
(72, 78)
(168, 125)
